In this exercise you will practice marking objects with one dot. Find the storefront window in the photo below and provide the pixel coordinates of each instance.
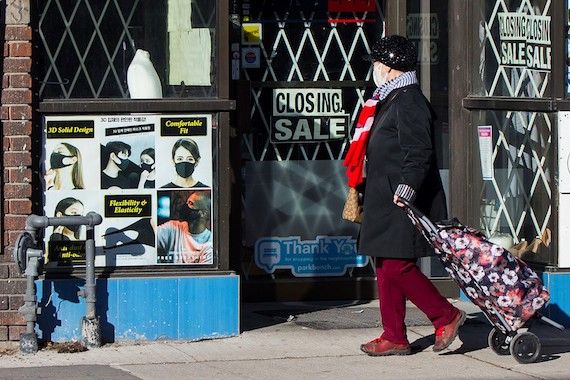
(516, 181)
(153, 179)
(426, 26)
(514, 48)
(126, 49)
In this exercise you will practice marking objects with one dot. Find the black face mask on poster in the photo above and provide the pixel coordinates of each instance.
(147, 167)
(59, 237)
(190, 214)
(74, 229)
(123, 164)
(145, 235)
(56, 160)
(184, 169)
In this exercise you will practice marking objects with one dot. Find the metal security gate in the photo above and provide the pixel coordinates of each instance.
(304, 46)
(514, 63)
(522, 197)
(86, 46)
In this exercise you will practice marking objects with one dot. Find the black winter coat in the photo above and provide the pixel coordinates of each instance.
(400, 151)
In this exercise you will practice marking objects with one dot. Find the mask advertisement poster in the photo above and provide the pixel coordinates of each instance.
(148, 176)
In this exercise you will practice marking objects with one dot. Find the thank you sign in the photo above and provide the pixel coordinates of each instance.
(308, 115)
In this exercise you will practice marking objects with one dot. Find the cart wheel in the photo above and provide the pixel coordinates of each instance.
(525, 347)
(498, 342)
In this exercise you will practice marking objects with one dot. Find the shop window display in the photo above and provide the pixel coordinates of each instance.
(87, 49)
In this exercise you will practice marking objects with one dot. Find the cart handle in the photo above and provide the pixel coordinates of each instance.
(419, 219)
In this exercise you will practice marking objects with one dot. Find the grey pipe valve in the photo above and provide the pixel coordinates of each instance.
(29, 259)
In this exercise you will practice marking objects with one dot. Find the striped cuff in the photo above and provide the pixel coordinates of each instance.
(406, 192)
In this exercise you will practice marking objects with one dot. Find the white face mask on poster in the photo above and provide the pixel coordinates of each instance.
(379, 77)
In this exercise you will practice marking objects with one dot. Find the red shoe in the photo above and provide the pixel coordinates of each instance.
(445, 335)
(383, 347)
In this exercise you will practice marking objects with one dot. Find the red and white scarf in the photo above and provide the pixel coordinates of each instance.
(354, 160)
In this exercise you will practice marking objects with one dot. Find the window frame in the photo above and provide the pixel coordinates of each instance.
(220, 106)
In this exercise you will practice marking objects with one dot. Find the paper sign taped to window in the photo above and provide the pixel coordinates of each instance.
(485, 133)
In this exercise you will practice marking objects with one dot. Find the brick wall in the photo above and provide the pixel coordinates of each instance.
(16, 115)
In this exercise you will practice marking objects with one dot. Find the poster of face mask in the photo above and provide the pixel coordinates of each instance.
(149, 177)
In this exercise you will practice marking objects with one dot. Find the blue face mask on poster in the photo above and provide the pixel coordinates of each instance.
(184, 169)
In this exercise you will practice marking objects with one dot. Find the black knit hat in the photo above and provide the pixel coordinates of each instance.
(396, 52)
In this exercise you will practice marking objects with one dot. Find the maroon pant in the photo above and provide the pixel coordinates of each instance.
(401, 279)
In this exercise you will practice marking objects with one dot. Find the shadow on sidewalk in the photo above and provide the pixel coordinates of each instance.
(324, 315)
(329, 315)
(474, 336)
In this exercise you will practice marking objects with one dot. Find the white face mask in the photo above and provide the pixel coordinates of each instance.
(379, 78)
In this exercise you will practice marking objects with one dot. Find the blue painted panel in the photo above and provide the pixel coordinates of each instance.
(559, 306)
(143, 308)
(61, 308)
(107, 307)
(198, 315)
(147, 309)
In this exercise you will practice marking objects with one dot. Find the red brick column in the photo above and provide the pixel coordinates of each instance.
(16, 115)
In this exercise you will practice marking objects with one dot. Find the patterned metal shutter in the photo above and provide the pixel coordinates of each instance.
(517, 200)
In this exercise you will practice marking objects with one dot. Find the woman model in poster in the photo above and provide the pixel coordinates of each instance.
(148, 174)
(67, 207)
(186, 156)
(65, 171)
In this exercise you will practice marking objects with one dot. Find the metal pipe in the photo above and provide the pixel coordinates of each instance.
(36, 222)
(29, 308)
(90, 273)
(29, 340)
(551, 322)
(90, 323)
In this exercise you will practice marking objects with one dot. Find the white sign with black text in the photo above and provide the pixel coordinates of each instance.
(525, 40)
(308, 115)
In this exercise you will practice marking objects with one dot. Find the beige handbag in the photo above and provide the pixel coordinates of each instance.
(352, 210)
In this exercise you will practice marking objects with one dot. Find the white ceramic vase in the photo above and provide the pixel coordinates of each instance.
(142, 79)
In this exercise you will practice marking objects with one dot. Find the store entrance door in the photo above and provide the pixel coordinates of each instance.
(305, 80)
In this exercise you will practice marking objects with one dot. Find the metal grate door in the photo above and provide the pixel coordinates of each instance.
(312, 47)
(517, 201)
(304, 46)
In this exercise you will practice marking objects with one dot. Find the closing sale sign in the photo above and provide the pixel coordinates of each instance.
(308, 115)
(525, 40)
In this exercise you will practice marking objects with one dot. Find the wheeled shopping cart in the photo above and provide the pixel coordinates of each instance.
(507, 290)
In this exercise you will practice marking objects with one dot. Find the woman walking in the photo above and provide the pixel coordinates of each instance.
(395, 132)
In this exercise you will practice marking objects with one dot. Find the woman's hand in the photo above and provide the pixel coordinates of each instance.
(397, 201)
(143, 177)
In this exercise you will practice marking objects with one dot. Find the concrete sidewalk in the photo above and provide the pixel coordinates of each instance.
(282, 346)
